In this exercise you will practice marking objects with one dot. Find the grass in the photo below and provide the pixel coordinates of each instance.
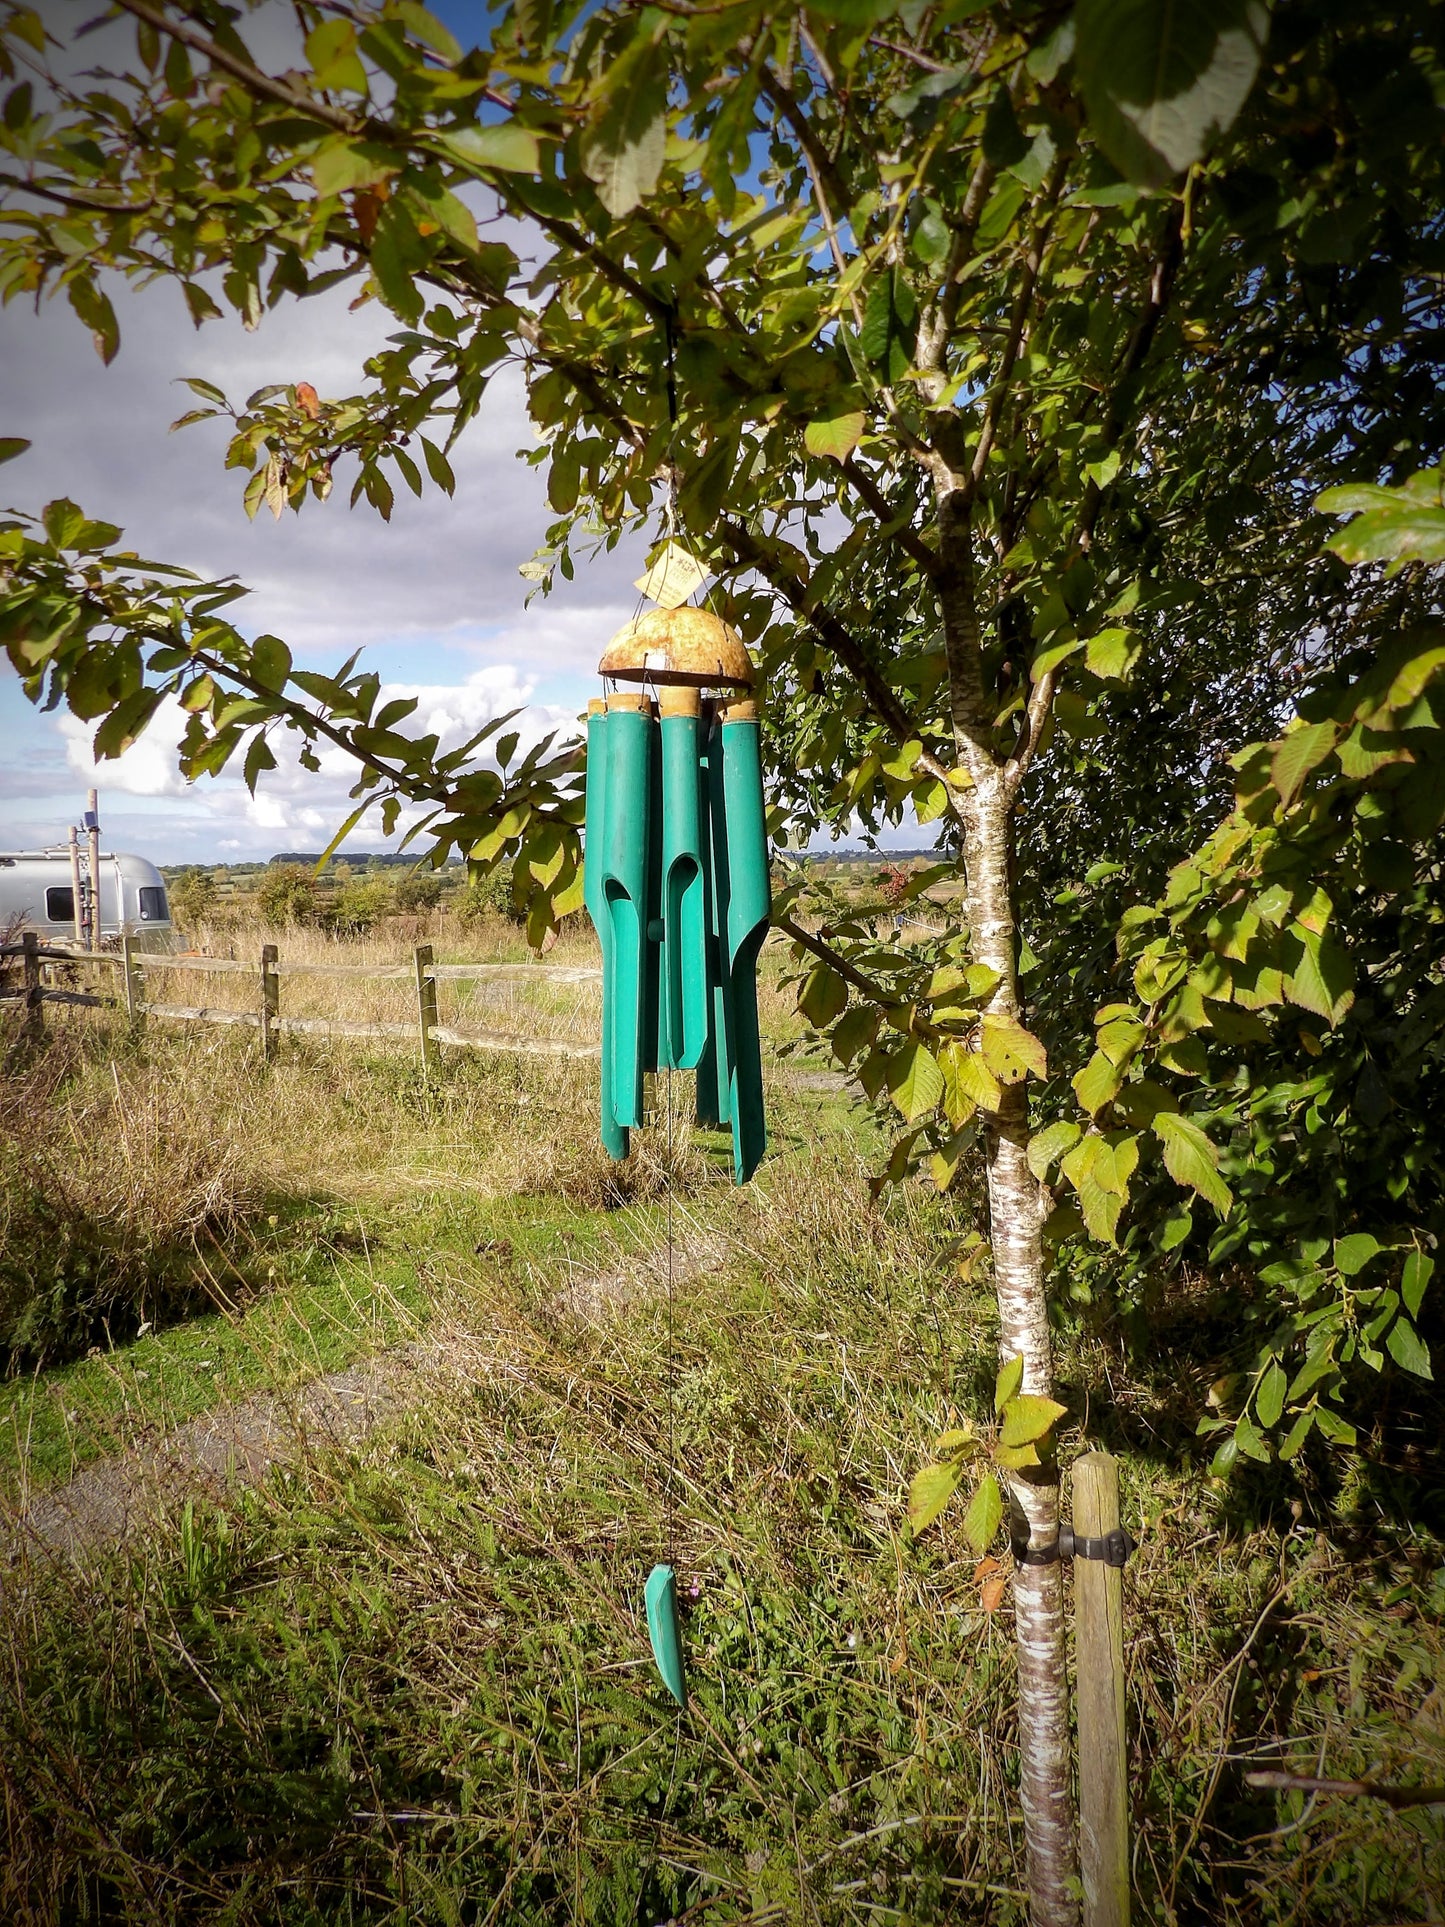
(409, 1681)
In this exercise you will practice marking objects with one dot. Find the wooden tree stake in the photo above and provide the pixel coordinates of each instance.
(426, 1008)
(270, 999)
(1099, 1647)
(33, 1029)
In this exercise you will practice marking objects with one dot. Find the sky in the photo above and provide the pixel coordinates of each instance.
(433, 599)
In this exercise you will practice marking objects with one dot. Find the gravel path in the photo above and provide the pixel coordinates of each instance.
(238, 1444)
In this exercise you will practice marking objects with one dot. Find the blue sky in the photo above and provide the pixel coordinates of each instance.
(434, 598)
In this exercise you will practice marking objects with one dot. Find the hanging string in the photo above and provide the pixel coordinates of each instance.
(669, 1551)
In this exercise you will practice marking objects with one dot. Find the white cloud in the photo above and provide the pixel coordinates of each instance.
(147, 768)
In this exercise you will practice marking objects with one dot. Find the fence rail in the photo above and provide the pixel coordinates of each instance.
(267, 1019)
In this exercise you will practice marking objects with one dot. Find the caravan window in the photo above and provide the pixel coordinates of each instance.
(59, 904)
(153, 906)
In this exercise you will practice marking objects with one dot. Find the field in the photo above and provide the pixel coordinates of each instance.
(348, 1410)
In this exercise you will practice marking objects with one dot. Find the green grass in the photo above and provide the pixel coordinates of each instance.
(410, 1681)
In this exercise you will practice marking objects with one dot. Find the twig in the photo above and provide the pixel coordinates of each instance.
(1397, 1797)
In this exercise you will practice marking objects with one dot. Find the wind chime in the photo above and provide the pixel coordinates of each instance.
(676, 882)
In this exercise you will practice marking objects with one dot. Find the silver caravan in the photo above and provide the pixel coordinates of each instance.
(37, 893)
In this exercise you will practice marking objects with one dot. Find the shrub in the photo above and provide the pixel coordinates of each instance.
(193, 897)
(419, 893)
(487, 895)
(288, 893)
(358, 904)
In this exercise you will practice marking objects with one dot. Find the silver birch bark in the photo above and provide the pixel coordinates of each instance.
(986, 818)
(1014, 1223)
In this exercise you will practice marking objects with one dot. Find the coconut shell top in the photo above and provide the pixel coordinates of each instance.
(689, 646)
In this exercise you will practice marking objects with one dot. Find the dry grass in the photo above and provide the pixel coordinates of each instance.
(531, 1004)
(120, 1188)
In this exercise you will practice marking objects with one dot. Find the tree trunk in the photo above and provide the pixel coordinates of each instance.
(1014, 1220)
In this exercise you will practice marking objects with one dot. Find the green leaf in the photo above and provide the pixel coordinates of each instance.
(1048, 1145)
(11, 446)
(823, 997)
(438, 467)
(341, 165)
(854, 1032)
(331, 49)
(1112, 654)
(271, 661)
(505, 147)
(886, 334)
(915, 1082)
(1323, 980)
(1027, 1419)
(1406, 1347)
(625, 169)
(1269, 1397)
(1098, 1083)
(984, 1515)
(1297, 1434)
(1353, 1253)
(836, 436)
(1159, 82)
(1298, 752)
(930, 1491)
(1191, 1159)
(1010, 1377)
(1414, 1278)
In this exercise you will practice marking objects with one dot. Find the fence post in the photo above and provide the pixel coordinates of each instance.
(1099, 1653)
(33, 1028)
(127, 958)
(270, 999)
(426, 1008)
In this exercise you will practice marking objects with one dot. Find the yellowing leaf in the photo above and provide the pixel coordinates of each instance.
(929, 1492)
(506, 147)
(1011, 1051)
(837, 436)
(1098, 1083)
(674, 575)
(1048, 1145)
(968, 1083)
(1028, 1418)
(1010, 1377)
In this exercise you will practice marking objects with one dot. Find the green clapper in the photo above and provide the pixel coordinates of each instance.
(660, 1595)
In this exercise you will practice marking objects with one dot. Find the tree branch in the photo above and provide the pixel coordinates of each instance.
(905, 534)
(1036, 715)
(243, 70)
(831, 631)
(875, 993)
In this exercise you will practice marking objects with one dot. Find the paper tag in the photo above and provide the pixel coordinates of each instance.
(673, 577)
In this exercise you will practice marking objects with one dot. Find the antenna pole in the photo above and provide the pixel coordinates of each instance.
(76, 908)
(92, 824)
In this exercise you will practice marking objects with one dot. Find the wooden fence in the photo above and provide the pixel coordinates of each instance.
(35, 958)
